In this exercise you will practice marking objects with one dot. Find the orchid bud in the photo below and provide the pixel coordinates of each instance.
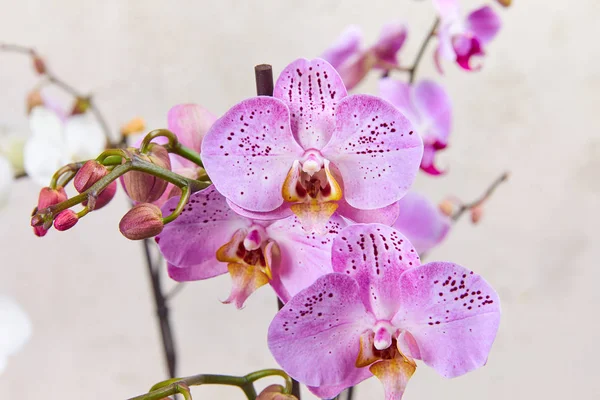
(143, 187)
(134, 126)
(103, 198)
(274, 392)
(476, 213)
(91, 172)
(39, 65)
(446, 207)
(143, 221)
(34, 99)
(49, 197)
(65, 220)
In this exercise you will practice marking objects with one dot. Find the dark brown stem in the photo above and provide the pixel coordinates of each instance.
(483, 198)
(412, 71)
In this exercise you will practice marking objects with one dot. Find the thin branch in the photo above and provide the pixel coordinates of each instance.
(412, 71)
(486, 195)
(175, 290)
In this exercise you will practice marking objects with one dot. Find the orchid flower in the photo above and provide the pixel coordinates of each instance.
(16, 329)
(353, 63)
(209, 239)
(428, 108)
(378, 312)
(6, 178)
(189, 122)
(311, 149)
(421, 222)
(58, 140)
(460, 40)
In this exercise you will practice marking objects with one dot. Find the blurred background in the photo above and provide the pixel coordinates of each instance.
(531, 111)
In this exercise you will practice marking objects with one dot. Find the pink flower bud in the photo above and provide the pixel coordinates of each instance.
(144, 187)
(143, 221)
(91, 172)
(39, 231)
(476, 214)
(446, 207)
(49, 197)
(65, 220)
(39, 65)
(274, 392)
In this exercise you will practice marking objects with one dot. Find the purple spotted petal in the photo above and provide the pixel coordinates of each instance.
(352, 379)
(189, 244)
(399, 94)
(304, 257)
(248, 152)
(390, 42)
(386, 215)
(311, 89)
(344, 48)
(421, 222)
(190, 122)
(323, 324)
(376, 256)
(453, 315)
(376, 151)
(283, 211)
(484, 23)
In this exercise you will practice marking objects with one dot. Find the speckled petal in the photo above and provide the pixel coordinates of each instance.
(283, 211)
(304, 257)
(191, 241)
(376, 256)
(248, 152)
(453, 315)
(421, 222)
(311, 89)
(376, 151)
(190, 122)
(353, 378)
(386, 215)
(322, 324)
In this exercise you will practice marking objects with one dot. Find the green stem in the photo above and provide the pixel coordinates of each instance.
(73, 167)
(169, 176)
(111, 154)
(186, 153)
(185, 197)
(254, 376)
(173, 141)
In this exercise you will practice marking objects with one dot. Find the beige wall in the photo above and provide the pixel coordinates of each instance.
(532, 110)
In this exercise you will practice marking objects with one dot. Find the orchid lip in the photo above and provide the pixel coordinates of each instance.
(254, 238)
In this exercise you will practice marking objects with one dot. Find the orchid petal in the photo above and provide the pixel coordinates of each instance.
(283, 211)
(386, 215)
(189, 244)
(311, 89)
(354, 72)
(247, 278)
(421, 222)
(42, 157)
(248, 152)
(354, 377)
(7, 177)
(448, 10)
(376, 256)
(46, 123)
(428, 161)
(452, 313)
(390, 42)
(16, 329)
(394, 375)
(376, 151)
(190, 122)
(434, 107)
(344, 47)
(466, 47)
(323, 324)
(484, 23)
(399, 94)
(84, 137)
(304, 257)
(314, 215)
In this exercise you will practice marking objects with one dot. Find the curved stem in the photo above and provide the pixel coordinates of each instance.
(186, 153)
(173, 141)
(486, 195)
(412, 71)
(183, 199)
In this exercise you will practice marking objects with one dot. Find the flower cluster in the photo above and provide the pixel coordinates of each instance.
(307, 190)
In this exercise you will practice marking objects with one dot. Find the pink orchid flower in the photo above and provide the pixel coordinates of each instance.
(460, 40)
(311, 149)
(422, 222)
(380, 310)
(353, 63)
(189, 122)
(209, 239)
(428, 108)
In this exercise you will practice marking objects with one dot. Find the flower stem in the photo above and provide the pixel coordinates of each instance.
(185, 197)
(486, 195)
(412, 71)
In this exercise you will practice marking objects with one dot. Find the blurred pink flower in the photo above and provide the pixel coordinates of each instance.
(461, 39)
(378, 311)
(428, 108)
(353, 63)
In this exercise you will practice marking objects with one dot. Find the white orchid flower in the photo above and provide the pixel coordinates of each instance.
(7, 176)
(55, 142)
(15, 329)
